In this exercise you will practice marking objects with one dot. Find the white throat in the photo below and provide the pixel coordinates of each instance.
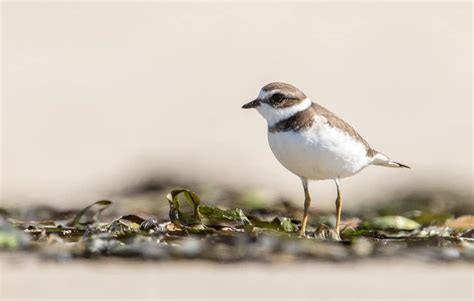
(274, 116)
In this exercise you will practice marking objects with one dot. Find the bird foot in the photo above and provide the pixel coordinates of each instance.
(324, 232)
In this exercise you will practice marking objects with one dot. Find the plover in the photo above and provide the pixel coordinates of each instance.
(313, 143)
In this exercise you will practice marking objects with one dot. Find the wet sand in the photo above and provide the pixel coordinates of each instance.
(29, 278)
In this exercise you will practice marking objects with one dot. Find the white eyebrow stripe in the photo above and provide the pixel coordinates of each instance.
(262, 95)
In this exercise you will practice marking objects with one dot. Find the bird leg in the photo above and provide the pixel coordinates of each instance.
(338, 207)
(307, 203)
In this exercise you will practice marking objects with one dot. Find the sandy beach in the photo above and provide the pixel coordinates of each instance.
(100, 97)
(29, 278)
(155, 89)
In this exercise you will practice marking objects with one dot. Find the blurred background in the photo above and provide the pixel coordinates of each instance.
(100, 97)
(127, 100)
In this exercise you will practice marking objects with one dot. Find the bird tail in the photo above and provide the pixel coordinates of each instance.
(382, 160)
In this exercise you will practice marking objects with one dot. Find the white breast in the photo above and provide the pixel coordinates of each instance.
(320, 152)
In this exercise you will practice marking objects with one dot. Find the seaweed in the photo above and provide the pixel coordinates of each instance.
(194, 230)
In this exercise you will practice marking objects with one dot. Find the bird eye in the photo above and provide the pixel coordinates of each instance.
(277, 97)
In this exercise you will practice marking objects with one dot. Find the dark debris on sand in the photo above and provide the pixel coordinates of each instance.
(184, 227)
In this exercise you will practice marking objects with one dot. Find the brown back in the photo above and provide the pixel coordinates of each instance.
(304, 119)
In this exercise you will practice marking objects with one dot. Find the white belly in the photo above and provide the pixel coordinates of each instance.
(319, 153)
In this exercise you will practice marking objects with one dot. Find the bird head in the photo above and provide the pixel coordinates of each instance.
(277, 101)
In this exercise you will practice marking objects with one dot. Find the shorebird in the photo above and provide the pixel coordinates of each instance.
(312, 142)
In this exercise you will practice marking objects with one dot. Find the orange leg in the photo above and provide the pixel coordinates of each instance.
(338, 206)
(307, 203)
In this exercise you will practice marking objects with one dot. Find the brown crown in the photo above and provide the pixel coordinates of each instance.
(285, 88)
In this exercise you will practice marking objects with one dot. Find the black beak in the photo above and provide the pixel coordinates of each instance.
(253, 104)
